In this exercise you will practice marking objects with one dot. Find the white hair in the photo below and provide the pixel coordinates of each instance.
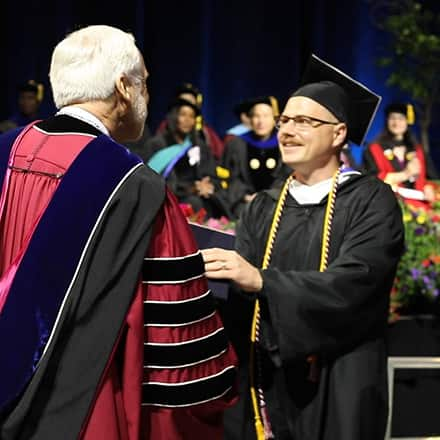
(87, 63)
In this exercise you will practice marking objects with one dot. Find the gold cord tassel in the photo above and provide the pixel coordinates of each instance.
(259, 427)
(410, 114)
(274, 105)
(199, 123)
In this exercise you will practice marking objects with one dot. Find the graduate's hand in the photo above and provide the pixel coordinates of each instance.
(229, 265)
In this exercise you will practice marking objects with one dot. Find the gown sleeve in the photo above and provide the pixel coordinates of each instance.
(189, 364)
(168, 378)
(324, 313)
(421, 179)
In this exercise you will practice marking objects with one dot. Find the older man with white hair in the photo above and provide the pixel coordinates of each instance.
(107, 326)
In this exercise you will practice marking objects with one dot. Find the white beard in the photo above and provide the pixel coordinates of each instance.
(140, 109)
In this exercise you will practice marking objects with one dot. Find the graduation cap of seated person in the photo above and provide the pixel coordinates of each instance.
(242, 107)
(347, 99)
(33, 87)
(207, 237)
(180, 102)
(190, 89)
(271, 101)
(405, 109)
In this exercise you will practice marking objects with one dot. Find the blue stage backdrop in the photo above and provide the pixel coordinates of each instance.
(231, 49)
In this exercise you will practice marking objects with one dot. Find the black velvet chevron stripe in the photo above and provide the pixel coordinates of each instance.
(173, 270)
(189, 353)
(189, 393)
(178, 313)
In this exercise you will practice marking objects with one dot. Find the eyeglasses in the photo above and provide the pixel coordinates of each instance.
(301, 122)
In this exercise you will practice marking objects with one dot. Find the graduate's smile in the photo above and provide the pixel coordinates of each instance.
(287, 141)
(290, 148)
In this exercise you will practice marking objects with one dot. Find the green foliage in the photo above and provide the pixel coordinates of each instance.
(415, 50)
(414, 54)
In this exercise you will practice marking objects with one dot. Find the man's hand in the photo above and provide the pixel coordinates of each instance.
(204, 187)
(223, 264)
(249, 197)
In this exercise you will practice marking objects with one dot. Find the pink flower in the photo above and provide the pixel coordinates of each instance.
(213, 223)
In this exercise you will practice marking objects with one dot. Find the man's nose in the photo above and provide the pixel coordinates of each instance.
(289, 128)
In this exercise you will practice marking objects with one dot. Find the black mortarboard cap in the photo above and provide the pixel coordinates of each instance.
(243, 107)
(179, 102)
(191, 89)
(405, 109)
(34, 87)
(347, 99)
(269, 100)
(396, 107)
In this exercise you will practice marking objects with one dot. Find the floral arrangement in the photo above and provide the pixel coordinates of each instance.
(416, 287)
(200, 217)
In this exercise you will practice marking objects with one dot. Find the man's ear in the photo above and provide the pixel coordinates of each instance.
(123, 89)
(339, 134)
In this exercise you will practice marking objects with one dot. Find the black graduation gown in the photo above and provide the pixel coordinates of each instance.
(339, 315)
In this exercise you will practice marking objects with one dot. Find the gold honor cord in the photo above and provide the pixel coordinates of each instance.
(329, 211)
(258, 404)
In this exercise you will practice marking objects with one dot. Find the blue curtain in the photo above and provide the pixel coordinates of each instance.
(230, 49)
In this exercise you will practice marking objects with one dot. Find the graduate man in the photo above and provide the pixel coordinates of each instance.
(107, 327)
(316, 261)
